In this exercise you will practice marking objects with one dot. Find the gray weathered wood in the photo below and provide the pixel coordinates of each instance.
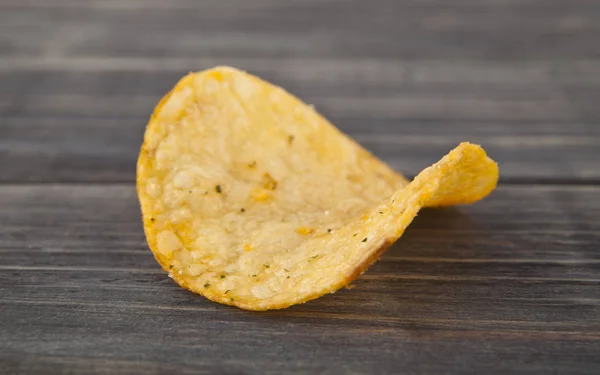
(518, 272)
(408, 79)
(393, 87)
(101, 149)
(538, 120)
(510, 285)
(106, 338)
(501, 30)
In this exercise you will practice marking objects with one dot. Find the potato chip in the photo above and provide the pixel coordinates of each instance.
(251, 198)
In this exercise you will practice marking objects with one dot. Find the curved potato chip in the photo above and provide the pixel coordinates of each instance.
(251, 198)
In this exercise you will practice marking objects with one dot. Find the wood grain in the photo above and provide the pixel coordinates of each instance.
(78, 80)
(106, 338)
(485, 282)
(92, 288)
(105, 149)
(507, 286)
(538, 120)
(67, 238)
(465, 29)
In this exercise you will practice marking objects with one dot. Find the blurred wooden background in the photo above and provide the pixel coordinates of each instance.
(510, 285)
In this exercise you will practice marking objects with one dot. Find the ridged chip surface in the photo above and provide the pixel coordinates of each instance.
(251, 198)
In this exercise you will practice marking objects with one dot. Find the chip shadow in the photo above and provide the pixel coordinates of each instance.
(408, 281)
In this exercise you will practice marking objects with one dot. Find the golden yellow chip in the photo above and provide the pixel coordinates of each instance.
(251, 198)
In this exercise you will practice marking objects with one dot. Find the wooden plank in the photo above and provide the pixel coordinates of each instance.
(398, 105)
(385, 89)
(62, 122)
(505, 30)
(304, 76)
(153, 76)
(193, 4)
(196, 341)
(527, 303)
(88, 237)
(91, 149)
(507, 285)
(527, 74)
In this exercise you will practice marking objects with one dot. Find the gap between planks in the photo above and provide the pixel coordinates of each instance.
(190, 5)
(384, 259)
(539, 70)
(509, 182)
(363, 277)
(173, 286)
(139, 232)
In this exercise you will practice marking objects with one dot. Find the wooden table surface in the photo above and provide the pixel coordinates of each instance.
(510, 285)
